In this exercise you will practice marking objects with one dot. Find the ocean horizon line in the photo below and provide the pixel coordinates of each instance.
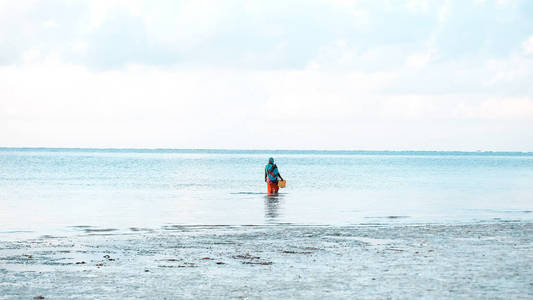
(273, 151)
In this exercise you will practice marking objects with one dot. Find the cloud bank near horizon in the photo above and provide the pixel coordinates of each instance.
(337, 74)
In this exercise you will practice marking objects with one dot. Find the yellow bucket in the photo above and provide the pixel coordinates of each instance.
(282, 183)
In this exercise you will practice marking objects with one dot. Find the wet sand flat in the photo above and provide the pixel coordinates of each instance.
(484, 260)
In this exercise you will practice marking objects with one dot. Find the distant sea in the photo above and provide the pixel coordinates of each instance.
(55, 190)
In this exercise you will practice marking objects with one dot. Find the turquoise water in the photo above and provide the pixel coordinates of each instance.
(45, 190)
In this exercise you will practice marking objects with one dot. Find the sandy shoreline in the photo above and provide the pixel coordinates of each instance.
(489, 260)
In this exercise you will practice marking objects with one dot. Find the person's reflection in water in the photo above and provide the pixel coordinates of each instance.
(272, 205)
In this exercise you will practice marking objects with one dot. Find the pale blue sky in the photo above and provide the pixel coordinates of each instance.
(324, 74)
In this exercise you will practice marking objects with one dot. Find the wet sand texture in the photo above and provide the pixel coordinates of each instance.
(273, 262)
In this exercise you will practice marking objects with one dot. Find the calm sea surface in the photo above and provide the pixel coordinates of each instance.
(46, 190)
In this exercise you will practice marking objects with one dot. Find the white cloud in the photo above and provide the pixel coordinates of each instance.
(359, 16)
(186, 24)
(497, 109)
(334, 74)
(409, 107)
(99, 10)
(418, 5)
(419, 60)
(345, 3)
(528, 45)
(444, 11)
(140, 106)
(505, 3)
(50, 24)
(31, 55)
(79, 47)
(515, 70)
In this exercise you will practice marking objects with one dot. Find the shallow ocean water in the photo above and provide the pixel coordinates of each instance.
(55, 190)
(167, 224)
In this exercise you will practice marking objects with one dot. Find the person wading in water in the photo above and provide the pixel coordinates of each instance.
(271, 176)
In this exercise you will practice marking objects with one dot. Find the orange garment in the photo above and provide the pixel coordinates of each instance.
(272, 188)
